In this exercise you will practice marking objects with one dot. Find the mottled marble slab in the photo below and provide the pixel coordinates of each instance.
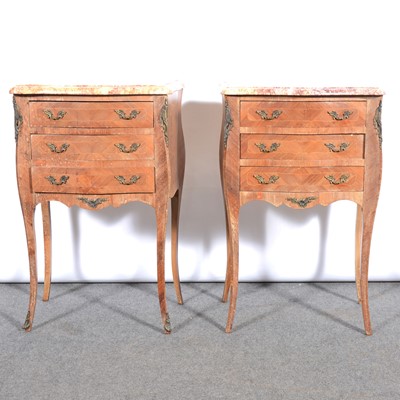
(96, 89)
(302, 91)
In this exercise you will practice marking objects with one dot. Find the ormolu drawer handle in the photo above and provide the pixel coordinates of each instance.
(263, 148)
(123, 181)
(337, 117)
(55, 149)
(133, 114)
(343, 179)
(63, 180)
(301, 202)
(264, 115)
(92, 202)
(50, 115)
(261, 180)
(334, 149)
(133, 147)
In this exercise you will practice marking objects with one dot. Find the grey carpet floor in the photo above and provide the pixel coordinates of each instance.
(290, 341)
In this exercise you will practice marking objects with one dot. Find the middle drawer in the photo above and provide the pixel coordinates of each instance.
(301, 147)
(63, 148)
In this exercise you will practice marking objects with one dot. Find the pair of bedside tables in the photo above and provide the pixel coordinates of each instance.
(100, 146)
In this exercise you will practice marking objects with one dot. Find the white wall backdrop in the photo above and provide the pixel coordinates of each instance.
(204, 45)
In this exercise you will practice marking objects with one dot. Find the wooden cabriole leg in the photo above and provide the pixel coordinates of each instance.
(228, 276)
(368, 220)
(46, 217)
(28, 210)
(161, 217)
(358, 252)
(232, 283)
(175, 212)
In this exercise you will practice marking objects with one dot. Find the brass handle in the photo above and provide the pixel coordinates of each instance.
(133, 114)
(334, 149)
(346, 115)
(301, 202)
(50, 115)
(123, 181)
(63, 180)
(55, 149)
(92, 202)
(263, 148)
(264, 115)
(132, 148)
(333, 181)
(261, 180)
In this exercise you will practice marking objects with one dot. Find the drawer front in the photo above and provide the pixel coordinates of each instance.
(301, 179)
(304, 114)
(63, 148)
(302, 147)
(127, 114)
(93, 180)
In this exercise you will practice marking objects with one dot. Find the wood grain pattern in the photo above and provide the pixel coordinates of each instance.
(73, 147)
(301, 148)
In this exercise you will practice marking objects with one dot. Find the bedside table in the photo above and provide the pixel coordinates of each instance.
(301, 147)
(95, 147)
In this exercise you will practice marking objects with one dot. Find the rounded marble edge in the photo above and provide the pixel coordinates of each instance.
(303, 91)
(96, 89)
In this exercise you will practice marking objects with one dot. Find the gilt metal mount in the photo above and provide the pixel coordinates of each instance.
(264, 115)
(60, 115)
(346, 115)
(301, 202)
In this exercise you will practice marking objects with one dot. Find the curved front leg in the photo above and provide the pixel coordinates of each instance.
(232, 282)
(368, 217)
(175, 212)
(46, 217)
(161, 217)
(228, 275)
(358, 252)
(28, 210)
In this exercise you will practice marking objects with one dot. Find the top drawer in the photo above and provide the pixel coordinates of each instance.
(335, 116)
(65, 114)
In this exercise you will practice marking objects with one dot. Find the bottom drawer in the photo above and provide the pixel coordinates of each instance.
(301, 179)
(93, 180)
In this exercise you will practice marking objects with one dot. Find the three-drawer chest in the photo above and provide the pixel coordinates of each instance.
(301, 147)
(95, 147)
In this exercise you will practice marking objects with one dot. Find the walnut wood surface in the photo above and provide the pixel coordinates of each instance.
(73, 147)
(299, 150)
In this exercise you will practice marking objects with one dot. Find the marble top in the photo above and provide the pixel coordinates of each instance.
(96, 89)
(302, 91)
